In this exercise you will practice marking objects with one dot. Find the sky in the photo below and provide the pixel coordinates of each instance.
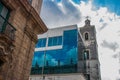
(104, 14)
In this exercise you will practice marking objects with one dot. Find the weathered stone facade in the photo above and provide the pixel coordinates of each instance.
(37, 5)
(17, 62)
(88, 62)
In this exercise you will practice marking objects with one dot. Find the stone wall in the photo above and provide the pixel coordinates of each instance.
(37, 5)
(22, 17)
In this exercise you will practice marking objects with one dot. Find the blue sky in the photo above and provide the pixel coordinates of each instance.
(104, 14)
(112, 5)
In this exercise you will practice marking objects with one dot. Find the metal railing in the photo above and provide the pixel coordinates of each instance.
(69, 66)
(55, 69)
(6, 28)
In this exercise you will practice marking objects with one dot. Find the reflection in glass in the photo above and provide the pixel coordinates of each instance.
(60, 60)
(54, 41)
(41, 43)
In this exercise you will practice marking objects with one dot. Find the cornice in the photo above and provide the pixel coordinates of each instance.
(35, 16)
(28, 9)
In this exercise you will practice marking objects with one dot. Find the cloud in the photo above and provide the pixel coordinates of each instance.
(59, 14)
(41, 58)
(118, 33)
(71, 55)
(112, 5)
(103, 26)
(106, 78)
(105, 20)
(113, 46)
(115, 56)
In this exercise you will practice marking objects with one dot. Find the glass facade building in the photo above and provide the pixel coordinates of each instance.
(56, 53)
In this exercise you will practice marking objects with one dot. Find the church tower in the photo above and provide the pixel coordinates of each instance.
(88, 62)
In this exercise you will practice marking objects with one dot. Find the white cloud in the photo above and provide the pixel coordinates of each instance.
(106, 30)
(59, 14)
(112, 46)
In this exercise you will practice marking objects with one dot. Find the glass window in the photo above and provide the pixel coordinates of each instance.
(3, 15)
(53, 41)
(59, 42)
(62, 60)
(4, 12)
(50, 41)
(88, 76)
(86, 54)
(41, 43)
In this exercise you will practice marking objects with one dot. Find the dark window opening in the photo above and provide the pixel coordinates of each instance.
(84, 66)
(1, 62)
(86, 54)
(88, 76)
(86, 36)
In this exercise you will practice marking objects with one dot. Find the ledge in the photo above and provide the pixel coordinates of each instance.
(28, 9)
(35, 15)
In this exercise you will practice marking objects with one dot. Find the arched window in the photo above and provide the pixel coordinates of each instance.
(86, 36)
(86, 54)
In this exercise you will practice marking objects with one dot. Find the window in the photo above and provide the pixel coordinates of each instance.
(86, 54)
(85, 66)
(41, 43)
(86, 36)
(54, 41)
(88, 76)
(4, 15)
(1, 62)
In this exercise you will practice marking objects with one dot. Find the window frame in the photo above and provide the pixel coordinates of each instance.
(5, 19)
(55, 41)
(88, 54)
(88, 36)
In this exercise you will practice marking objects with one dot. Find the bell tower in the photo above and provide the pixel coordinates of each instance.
(88, 62)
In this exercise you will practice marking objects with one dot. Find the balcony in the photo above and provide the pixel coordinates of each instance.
(6, 29)
(7, 36)
(55, 69)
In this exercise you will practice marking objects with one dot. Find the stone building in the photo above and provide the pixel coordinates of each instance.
(88, 62)
(19, 25)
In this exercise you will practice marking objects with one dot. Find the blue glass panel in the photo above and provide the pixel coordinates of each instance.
(41, 43)
(38, 58)
(50, 41)
(67, 56)
(59, 40)
(54, 41)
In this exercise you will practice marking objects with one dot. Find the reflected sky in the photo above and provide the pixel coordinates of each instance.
(65, 56)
